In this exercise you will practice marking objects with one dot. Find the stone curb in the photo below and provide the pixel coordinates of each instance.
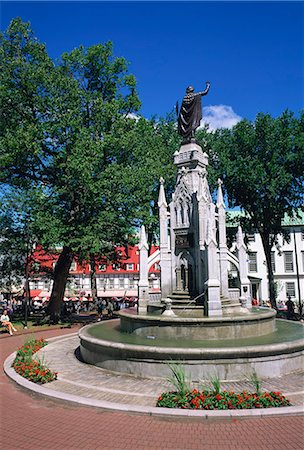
(25, 331)
(153, 411)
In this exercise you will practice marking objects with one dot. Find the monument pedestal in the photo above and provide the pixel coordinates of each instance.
(214, 304)
(143, 297)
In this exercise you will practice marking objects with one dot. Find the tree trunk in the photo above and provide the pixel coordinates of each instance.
(61, 274)
(93, 278)
(267, 250)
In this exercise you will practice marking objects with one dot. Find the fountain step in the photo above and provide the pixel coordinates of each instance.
(229, 301)
(230, 305)
(180, 298)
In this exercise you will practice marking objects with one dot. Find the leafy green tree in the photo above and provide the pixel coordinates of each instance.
(262, 166)
(63, 133)
(12, 255)
(151, 147)
(16, 244)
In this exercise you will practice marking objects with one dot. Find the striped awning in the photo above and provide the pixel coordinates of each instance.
(119, 293)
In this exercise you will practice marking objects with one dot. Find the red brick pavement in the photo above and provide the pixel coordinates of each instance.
(32, 422)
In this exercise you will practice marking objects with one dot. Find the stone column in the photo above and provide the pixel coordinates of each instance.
(214, 305)
(179, 286)
(222, 241)
(202, 214)
(245, 297)
(165, 256)
(143, 284)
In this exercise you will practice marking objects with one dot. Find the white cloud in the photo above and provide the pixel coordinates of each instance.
(219, 116)
(133, 116)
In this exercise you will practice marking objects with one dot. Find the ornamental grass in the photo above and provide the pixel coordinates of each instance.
(34, 370)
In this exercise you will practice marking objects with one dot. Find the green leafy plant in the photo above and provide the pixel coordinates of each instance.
(210, 400)
(215, 398)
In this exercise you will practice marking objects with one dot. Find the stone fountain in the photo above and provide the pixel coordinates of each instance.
(199, 321)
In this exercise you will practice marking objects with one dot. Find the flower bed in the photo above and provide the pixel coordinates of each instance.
(222, 400)
(185, 398)
(32, 369)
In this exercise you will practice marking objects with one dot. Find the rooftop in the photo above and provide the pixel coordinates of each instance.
(296, 220)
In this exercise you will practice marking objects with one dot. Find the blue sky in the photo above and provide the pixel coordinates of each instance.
(252, 52)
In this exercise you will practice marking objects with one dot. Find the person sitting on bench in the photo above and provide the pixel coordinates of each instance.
(5, 321)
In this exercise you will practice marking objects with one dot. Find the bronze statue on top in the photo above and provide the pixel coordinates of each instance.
(190, 114)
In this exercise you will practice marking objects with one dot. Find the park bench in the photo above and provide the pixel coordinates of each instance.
(3, 328)
(82, 318)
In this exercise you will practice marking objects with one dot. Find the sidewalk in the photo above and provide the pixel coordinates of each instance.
(30, 421)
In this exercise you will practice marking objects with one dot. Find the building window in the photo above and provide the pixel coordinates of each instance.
(46, 284)
(116, 266)
(130, 266)
(121, 283)
(131, 283)
(302, 234)
(156, 266)
(111, 283)
(288, 261)
(34, 284)
(272, 257)
(290, 290)
(253, 267)
(102, 267)
(251, 237)
(102, 283)
(286, 238)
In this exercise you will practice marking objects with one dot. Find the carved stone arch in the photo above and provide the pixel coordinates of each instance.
(184, 272)
(185, 257)
(182, 191)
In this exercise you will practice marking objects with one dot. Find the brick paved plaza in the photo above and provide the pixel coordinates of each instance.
(30, 421)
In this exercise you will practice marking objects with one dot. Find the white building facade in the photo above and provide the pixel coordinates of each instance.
(287, 262)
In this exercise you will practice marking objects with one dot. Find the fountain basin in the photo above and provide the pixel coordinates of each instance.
(276, 354)
(191, 324)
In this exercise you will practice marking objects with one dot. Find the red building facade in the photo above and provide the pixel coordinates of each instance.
(114, 279)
